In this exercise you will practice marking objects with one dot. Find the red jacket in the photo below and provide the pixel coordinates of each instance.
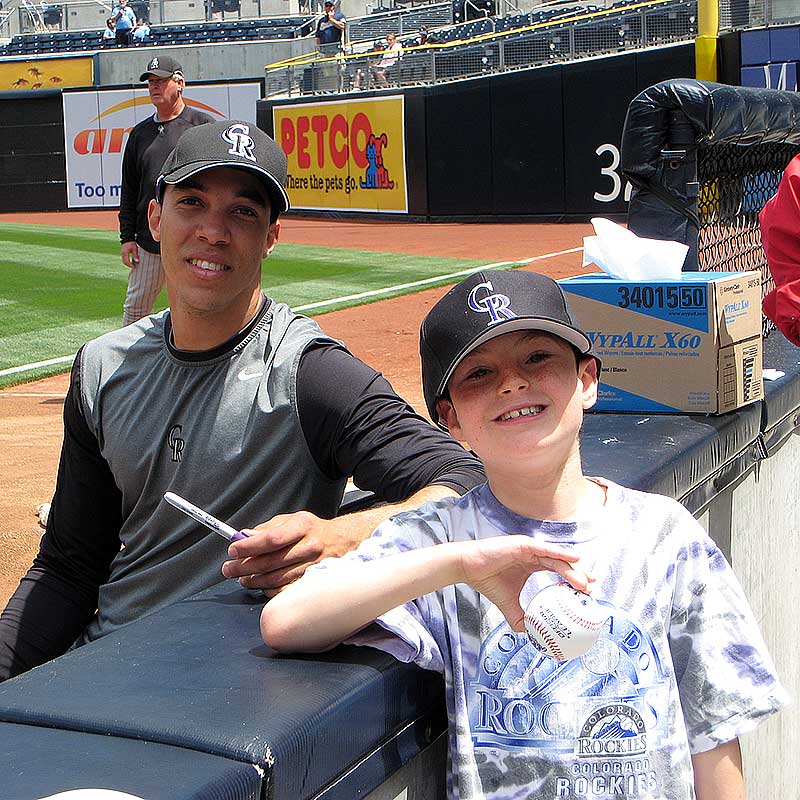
(780, 236)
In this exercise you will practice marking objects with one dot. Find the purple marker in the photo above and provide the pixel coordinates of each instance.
(204, 518)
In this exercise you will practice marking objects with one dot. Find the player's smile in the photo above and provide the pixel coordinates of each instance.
(208, 266)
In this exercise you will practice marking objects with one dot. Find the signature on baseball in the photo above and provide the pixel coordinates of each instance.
(563, 623)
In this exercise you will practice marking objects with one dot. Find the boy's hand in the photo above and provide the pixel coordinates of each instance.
(498, 568)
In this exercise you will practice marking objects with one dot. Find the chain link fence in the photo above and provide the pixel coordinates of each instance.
(735, 183)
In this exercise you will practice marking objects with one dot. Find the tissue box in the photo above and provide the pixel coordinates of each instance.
(692, 344)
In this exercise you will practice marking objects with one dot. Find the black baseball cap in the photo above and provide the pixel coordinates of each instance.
(161, 67)
(485, 305)
(228, 143)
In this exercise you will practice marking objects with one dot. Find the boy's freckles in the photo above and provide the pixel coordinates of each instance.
(517, 395)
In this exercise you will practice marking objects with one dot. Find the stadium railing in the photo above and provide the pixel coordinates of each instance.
(703, 159)
(399, 20)
(486, 46)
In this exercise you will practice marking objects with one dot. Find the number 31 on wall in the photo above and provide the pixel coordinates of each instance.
(611, 172)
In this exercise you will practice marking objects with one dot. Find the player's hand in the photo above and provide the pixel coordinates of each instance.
(130, 254)
(499, 567)
(277, 552)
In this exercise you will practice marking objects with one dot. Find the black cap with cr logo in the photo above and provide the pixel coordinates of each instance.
(487, 304)
(228, 143)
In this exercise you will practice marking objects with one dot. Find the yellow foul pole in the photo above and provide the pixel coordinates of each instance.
(705, 46)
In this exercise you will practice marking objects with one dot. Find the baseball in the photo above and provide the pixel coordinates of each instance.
(563, 623)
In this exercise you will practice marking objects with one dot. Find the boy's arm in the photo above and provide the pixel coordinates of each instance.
(718, 773)
(326, 607)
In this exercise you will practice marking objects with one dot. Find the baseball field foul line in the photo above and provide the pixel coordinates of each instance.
(426, 281)
(347, 298)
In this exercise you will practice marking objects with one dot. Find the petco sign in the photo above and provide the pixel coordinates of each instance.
(97, 124)
(347, 155)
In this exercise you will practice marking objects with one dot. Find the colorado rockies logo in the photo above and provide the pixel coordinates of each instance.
(153, 64)
(482, 300)
(175, 442)
(238, 136)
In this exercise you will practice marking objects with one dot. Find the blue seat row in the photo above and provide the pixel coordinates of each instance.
(160, 35)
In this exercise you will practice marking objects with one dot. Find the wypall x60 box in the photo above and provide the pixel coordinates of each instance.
(686, 345)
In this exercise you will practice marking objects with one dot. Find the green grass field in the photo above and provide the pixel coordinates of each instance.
(60, 287)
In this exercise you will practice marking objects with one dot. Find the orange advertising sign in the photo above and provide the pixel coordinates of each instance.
(345, 155)
(45, 73)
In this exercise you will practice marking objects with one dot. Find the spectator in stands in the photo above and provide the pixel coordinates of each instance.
(330, 29)
(51, 15)
(378, 46)
(141, 32)
(425, 37)
(391, 56)
(124, 21)
(109, 32)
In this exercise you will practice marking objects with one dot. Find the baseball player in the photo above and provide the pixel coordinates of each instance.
(229, 399)
(680, 670)
(149, 143)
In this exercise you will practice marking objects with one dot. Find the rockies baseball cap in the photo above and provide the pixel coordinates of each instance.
(228, 143)
(161, 67)
(485, 305)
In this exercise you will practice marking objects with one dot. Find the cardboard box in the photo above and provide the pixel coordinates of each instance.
(691, 345)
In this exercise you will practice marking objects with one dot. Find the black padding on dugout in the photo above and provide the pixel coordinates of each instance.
(459, 149)
(671, 454)
(196, 675)
(38, 762)
(718, 113)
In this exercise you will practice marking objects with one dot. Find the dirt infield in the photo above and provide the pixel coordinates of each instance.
(384, 334)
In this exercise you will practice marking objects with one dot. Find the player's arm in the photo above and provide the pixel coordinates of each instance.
(354, 424)
(57, 597)
(327, 606)
(718, 773)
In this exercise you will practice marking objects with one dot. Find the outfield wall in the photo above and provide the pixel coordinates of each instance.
(536, 144)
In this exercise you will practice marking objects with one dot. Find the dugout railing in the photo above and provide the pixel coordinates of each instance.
(703, 159)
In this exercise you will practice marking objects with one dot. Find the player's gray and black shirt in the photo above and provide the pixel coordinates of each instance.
(273, 421)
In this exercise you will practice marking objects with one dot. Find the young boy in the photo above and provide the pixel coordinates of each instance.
(654, 709)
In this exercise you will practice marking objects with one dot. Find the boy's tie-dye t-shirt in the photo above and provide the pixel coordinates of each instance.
(679, 668)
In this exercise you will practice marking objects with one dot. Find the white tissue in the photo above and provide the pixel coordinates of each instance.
(623, 255)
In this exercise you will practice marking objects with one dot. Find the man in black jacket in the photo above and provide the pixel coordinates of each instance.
(149, 143)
